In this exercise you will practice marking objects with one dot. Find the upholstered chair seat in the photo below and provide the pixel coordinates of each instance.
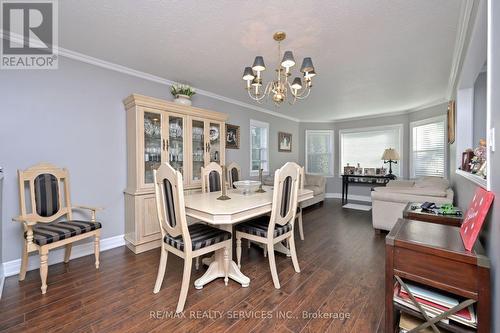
(202, 235)
(259, 227)
(52, 232)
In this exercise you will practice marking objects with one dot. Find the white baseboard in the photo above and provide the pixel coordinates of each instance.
(365, 198)
(2, 279)
(13, 267)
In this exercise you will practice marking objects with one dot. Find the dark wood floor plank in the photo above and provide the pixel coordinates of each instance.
(341, 261)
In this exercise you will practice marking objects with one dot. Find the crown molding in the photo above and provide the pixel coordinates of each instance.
(385, 114)
(63, 52)
(465, 25)
(150, 77)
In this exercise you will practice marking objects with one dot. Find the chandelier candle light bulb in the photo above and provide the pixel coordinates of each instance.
(279, 89)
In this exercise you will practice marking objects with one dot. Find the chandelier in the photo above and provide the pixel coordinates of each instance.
(280, 88)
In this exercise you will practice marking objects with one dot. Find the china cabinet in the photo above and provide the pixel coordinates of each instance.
(160, 131)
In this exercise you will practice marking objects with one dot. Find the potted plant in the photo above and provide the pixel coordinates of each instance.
(182, 93)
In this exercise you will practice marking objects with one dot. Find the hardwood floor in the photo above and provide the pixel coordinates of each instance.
(342, 272)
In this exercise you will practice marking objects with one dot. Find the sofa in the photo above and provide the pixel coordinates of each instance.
(315, 183)
(389, 202)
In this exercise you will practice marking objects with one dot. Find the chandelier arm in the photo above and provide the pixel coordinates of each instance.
(305, 93)
(256, 97)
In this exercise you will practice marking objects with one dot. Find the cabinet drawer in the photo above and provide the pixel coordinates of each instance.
(441, 271)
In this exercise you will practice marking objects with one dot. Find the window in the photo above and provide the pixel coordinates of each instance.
(259, 147)
(366, 146)
(428, 144)
(319, 152)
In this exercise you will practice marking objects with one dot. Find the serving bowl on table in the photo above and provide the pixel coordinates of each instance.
(247, 186)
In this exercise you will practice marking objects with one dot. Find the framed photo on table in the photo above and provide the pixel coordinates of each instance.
(284, 142)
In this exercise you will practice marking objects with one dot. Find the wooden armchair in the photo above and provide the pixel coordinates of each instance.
(41, 215)
(233, 171)
(211, 177)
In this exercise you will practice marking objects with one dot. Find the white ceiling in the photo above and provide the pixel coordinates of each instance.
(371, 56)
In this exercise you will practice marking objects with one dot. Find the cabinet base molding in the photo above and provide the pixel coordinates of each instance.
(143, 247)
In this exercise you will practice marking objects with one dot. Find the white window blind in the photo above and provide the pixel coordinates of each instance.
(259, 147)
(366, 147)
(428, 148)
(319, 152)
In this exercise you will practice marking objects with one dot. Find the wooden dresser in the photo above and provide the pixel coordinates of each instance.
(160, 131)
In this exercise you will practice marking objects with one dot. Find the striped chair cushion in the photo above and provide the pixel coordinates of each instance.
(285, 196)
(46, 233)
(169, 203)
(259, 226)
(201, 236)
(46, 195)
(234, 176)
(214, 181)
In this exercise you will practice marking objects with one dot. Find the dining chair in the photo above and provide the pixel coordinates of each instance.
(277, 227)
(185, 241)
(299, 206)
(211, 178)
(233, 171)
(47, 217)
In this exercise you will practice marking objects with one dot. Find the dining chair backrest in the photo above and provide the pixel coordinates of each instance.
(302, 178)
(46, 197)
(285, 195)
(211, 177)
(169, 193)
(233, 173)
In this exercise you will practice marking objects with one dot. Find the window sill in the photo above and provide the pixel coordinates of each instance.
(473, 178)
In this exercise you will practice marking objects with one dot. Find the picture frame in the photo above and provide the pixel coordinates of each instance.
(451, 121)
(369, 172)
(349, 170)
(232, 136)
(380, 171)
(466, 159)
(358, 171)
(284, 142)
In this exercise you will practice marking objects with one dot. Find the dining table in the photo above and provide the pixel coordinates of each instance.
(224, 214)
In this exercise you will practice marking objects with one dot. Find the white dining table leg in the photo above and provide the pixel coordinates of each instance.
(216, 268)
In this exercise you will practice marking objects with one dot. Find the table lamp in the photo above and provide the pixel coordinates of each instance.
(390, 156)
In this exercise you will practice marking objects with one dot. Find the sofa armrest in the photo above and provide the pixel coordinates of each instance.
(315, 180)
(400, 183)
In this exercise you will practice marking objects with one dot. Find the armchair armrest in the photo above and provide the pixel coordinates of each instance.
(92, 210)
(26, 220)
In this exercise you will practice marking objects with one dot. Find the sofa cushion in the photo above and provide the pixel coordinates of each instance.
(316, 189)
(314, 180)
(428, 192)
(435, 183)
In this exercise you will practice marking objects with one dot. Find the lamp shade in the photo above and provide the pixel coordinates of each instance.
(288, 60)
(258, 64)
(390, 154)
(297, 83)
(310, 74)
(307, 65)
(248, 74)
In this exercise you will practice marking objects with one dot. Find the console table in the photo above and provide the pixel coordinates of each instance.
(364, 180)
(433, 255)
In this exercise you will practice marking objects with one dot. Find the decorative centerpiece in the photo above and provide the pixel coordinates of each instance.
(182, 93)
(247, 186)
(224, 195)
(261, 190)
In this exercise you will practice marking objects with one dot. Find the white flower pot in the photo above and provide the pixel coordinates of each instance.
(183, 99)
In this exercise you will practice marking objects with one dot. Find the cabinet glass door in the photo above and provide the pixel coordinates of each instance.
(152, 144)
(175, 143)
(198, 148)
(214, 136)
